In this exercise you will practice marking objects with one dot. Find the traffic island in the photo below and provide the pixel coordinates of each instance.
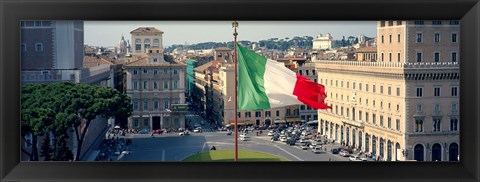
(228, 155)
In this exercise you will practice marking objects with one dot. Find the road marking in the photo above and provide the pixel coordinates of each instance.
(203, 148)
(163, 155)
(298, 158)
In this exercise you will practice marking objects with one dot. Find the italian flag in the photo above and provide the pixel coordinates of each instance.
(265, 84)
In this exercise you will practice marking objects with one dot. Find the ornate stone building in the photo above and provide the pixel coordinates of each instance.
(405, 106)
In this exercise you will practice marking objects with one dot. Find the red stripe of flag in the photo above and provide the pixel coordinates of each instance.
(310, 93)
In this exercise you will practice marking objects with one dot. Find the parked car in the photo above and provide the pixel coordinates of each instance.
(291, 141)
(184, 133)
(344, 153)
(317, 149)
(354, 158)
(197, 130)
(283, 139)
(270, 133)
(335, 151)
(143, 131)
(244, 137)
(304, 146)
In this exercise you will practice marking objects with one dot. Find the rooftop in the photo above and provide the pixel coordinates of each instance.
(92, 61)
(146, 30)
(367, 49)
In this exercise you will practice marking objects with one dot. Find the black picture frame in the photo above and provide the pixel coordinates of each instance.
(12, 11)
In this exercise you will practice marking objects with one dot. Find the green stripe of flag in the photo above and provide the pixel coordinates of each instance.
(251, 90)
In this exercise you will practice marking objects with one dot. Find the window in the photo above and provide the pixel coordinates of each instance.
(398, 57)
(373, 88)
(38, 47)
(398, 91)
(135, 123)
(382, 38)
(258, 114)
(156, 43)
(366, 87)
(302, 107)
(353, 85)
(381, 89)
(398, 38)
(155, 105)
(419, 37)
(399, 23)
(454, 22)
(267, 113)
(145, 122)
(145, 71)
(389, 122)
(454, 37)
(359, 86)
(165, 84)
(390, 57)
(145, 84)
(366, 116)
(390, 37)
(454, 57)
(436, 56)
(138, 45)
(315, 80)
(175, 71)
(454, 91)
(145, 105)
(38, 23)
(341, 111)
(374, 118)
(175, 84)
(436, 108)
(23, 23)
(336, 83)
(166, 104)
(437, 37)
(453, 124)
(419, 57)
(247, 114)
(306, 72)
(313, 72)
(398, 124)
(398, 107)
(135, 72)
(436, 125)
(135, 105)
(418, 125)
(336, 109)
(389, 90)
(382, 57)
(277, 113)
(154, 60)
(436, 22)
(146, 43)
(419, 92)
(300, 72)
(419, 108)
(436, 91)
(381, 120)
(155, 72)
(135, 85)
(418, 22)
(454, 108)
(23, 47)
(239, 115)
(360, 115)
(348, 112)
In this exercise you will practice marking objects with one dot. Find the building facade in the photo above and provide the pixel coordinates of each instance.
(323, 42)
(405, 105)
(307, 113)
(157, 87)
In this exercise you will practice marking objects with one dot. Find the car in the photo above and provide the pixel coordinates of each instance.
(283, 139)
(270, 133)
(304, 147)
(354, 158)
(184, 133)
(197, 130)
(244, 137)
(344, 153)
(143, 131)
(317, 149)
(291, 141)
(335, 151)
(363, 158)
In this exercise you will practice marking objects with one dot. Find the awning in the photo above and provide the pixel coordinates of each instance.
(280, 121)
(293, 119)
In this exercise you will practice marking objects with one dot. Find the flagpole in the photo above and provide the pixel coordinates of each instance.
(235, 25)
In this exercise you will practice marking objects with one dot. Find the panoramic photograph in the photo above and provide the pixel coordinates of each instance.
(226, 91)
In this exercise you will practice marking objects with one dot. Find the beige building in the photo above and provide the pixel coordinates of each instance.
(405, 106)
(157, 87)
(323, 42)
(146, 37)
(368, 54)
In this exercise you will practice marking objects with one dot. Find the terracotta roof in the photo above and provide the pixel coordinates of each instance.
(367, 49)
(92, 61)
(203, 67)
(146, 30)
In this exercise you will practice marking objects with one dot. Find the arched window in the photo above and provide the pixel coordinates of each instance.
(436, 152)
(156, 43)
(382, 152)
(354, 143)
(453, 152)
(341, 134)
(389, 150)
(147, 43)
(418, 153)
(348, 136)
(397, 151)
(367, 138)
(374, 145)
(360, 139)
(138, 45)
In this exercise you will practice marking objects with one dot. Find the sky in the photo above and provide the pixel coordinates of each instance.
(109, 33)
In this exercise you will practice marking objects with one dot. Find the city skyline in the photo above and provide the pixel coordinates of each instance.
(108, 33)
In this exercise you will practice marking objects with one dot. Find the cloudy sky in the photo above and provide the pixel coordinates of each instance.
(108, 33)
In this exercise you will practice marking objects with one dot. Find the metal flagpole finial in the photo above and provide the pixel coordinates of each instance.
(235, 26)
